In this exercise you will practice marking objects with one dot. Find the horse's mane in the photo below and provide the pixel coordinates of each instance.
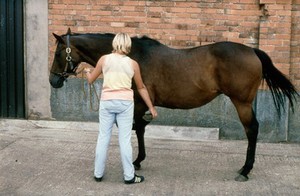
(147, 39)
(91, 34)
(110, 35)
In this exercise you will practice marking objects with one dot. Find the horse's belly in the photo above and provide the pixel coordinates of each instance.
(181, 100)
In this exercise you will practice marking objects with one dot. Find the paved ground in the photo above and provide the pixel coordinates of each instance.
(45, 160)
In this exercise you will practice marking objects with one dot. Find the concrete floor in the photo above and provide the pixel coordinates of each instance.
(58, 160)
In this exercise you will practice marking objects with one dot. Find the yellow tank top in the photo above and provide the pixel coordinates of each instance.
(117, 77)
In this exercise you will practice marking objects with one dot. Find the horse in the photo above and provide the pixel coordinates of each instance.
(184, 78)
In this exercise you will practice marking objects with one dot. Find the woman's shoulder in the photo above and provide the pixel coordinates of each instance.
(133, 63)
(107, 56)
(103, 59)
(132, 60)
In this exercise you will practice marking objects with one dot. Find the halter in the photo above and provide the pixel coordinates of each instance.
(69, 62)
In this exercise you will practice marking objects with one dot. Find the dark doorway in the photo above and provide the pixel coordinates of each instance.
(12, 94)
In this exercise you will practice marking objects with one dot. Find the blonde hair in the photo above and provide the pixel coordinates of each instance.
(122, 43)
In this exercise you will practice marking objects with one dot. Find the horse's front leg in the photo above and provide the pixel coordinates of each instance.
(139, 127)
(140, 132)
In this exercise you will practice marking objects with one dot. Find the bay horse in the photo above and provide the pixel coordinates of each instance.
(184, 78)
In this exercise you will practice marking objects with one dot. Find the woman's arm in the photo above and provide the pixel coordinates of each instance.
(142, 88)
(93, 75)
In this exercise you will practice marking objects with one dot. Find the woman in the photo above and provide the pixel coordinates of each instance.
(116, 104)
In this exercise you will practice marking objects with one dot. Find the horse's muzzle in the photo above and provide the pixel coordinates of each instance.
(56, 80)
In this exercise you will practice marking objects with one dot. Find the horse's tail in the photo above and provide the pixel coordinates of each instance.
(280, 86)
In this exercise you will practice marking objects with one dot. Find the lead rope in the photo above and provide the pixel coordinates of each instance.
(91, 93)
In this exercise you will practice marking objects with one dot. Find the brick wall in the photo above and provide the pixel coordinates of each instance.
(295, 44)
(272, 25)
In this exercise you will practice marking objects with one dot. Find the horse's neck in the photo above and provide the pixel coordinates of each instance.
(94, 46)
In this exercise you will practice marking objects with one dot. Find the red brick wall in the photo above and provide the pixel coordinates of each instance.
(272, 25)
(295, 44)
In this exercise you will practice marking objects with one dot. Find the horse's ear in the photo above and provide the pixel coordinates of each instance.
(58, 38)
(69, 31)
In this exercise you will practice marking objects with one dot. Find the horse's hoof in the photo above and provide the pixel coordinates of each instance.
(137, 167)
(241, 178)
(240, 171)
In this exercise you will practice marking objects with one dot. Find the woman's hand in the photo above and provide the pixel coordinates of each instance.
(87, 70)
(153, 112)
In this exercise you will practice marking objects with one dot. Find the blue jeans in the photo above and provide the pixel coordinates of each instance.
(111, 111)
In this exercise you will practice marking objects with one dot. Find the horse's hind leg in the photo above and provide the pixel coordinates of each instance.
(250, 124)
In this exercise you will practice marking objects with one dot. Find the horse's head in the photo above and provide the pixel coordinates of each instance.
(66, 60)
